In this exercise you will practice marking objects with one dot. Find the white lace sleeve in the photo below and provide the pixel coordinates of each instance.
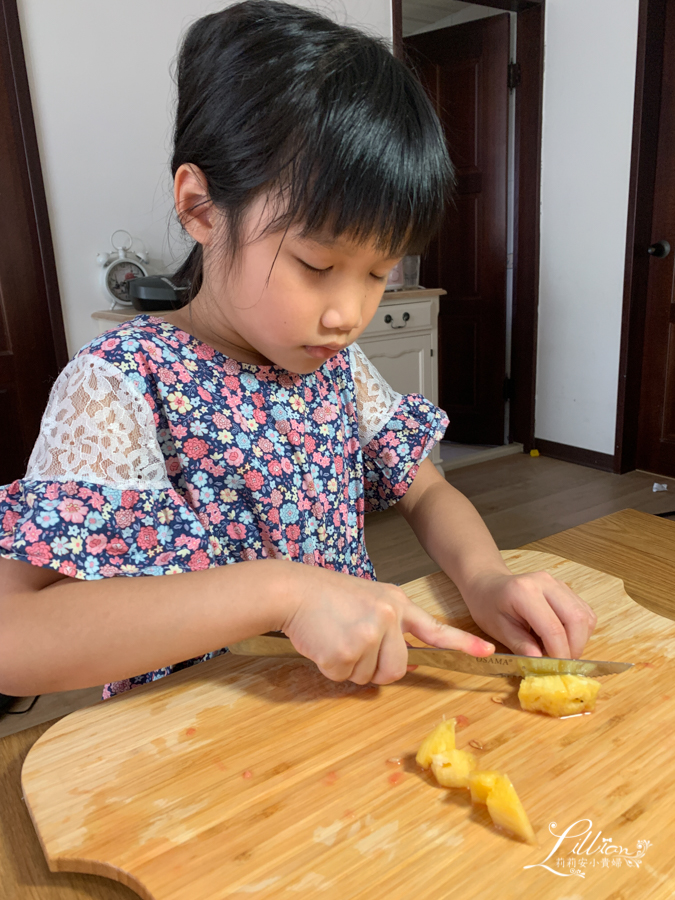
(376, 401)
(98, 428)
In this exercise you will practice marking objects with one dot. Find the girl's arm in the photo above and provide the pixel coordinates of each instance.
(60, 633)
(507, 607)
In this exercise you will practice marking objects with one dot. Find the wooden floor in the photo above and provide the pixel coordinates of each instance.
(521, 498)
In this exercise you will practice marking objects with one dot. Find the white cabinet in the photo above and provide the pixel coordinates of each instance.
(403, 362)
(402, 342)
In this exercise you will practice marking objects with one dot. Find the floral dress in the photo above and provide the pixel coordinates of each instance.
(158, 454)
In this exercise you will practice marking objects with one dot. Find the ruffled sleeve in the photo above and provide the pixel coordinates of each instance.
(96, 500)
(396, 432)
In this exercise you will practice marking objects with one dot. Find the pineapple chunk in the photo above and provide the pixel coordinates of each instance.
(480, 785)
(507, 811)
(453, 767)
(441, 739)
(558, 695)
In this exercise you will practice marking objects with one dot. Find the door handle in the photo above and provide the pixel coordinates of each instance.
(388, 320)
(659, 250)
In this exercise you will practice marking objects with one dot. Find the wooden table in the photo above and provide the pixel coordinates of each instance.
(637, 547)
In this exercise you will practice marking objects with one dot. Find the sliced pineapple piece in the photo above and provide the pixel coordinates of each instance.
(453, 767)
(507, 811)
(481, 783)
(441, 739)
(558, 695)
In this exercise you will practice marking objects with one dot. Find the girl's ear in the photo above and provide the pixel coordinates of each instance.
(193, 203)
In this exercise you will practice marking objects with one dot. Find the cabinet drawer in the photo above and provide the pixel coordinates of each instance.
(418, 316)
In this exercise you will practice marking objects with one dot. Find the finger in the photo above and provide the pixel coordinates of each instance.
(544, 622)
(431, 631)
(577, 617)
(393, 657)
(336, 672)
(518, 639)
(339, 663)
(366, 665)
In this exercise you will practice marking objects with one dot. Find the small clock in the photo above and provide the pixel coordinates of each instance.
(120, 268)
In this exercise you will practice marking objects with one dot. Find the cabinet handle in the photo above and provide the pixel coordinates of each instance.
(406, 318)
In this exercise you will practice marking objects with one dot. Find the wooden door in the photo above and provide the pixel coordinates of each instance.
(656, 425)
(32, 342)
(465, 70)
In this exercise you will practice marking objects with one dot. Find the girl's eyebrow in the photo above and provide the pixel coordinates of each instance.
(331, 243)
(328, 242)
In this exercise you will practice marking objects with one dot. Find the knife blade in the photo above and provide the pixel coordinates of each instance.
(499, 665)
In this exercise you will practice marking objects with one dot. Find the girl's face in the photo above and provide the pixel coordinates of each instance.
(290, 300)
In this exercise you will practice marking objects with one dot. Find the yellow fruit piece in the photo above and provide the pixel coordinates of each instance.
(441, 739)
(453, 767)
(507, 811)
(480, 785)
(558, 695)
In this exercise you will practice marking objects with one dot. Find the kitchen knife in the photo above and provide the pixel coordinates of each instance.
(500, 665)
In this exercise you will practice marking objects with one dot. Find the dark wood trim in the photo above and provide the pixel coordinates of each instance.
(529, 103)
(32, 339)
(528, 124)
(638, 234)
(10, 35)
(397, 27)
(567, 453)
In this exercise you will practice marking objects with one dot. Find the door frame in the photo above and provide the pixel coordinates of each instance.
(25, 139)
(528, 124)
(32, 338)
(647, 108)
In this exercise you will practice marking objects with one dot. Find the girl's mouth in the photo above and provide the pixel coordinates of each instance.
(322, 351)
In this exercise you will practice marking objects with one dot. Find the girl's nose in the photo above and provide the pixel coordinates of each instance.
(343, 313)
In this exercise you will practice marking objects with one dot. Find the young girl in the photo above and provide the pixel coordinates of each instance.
(202, 477)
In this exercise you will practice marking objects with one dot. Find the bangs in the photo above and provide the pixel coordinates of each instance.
(371, 162)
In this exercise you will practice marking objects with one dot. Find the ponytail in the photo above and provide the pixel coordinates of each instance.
(191, 273)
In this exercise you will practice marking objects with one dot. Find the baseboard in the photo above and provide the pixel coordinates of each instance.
(481, 456)
(578, 455)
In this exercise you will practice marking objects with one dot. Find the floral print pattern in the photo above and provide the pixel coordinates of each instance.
(260, 463)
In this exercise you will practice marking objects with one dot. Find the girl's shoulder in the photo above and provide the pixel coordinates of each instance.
(141, 352)
(143, 335)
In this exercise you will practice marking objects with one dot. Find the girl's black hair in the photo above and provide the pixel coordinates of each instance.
(279, 100)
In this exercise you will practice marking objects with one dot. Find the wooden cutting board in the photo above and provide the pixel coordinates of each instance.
(261, 778)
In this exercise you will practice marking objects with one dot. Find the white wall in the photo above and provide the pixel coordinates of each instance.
(470, 14)
(589, 84)
(101, 89)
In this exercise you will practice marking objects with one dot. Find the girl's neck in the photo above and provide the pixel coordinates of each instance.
(199, 320)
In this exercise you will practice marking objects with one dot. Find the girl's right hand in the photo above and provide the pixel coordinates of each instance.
(353, 628)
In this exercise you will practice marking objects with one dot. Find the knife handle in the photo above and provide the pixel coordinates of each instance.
(271, 645)
(264, 645)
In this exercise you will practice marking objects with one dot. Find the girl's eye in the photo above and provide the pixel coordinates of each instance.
(379, 277)
(313, 268)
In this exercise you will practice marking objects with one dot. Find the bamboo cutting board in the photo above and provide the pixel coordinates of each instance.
(261, 778)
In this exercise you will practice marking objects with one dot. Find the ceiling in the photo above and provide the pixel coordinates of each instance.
(420, 13)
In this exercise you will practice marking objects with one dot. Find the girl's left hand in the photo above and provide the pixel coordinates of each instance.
(510, 607)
